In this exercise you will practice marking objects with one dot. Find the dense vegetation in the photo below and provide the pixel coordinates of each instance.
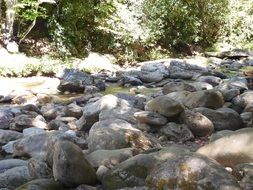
(129, 29)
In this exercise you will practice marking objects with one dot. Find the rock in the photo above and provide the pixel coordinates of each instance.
(5, 118)
(56, 124)
(33, 131)
(8, 135)
(160, 168)
(244, 173)
(51, 111)
(8, 148)
(191, 171)
(120, 112)
(214, 81)
(177, 86)
(164, 106)
(201, 85)
(11, 163)
(42, 184)
(247, 97)
(92, 110)
(235, 83)
(39, 169)
(150, 118)
(14, 177)
(177, 132)
(23, 121)
(70, 167)
(232, 149)
(230, 94)
(223, 118)
(199, 124)
(73, 80)
(85, 187)
(115, 134)
(135, 101)
(31, 108)
(133, 81)
(207, 98)
(248, 107)
(44, 98)
(109, 158)
(247, 118)
(153, 72)
(40, 146)
(73, 110)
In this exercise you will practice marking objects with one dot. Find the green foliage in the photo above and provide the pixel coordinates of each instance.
(238, 29)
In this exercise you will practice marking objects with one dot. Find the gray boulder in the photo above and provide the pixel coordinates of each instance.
(5, 118)
(70, 167)
(42, 184)
(11, 163)
(164, 106)
(223, 118)
(232, 149)
(177, 86)
(150, 118)
(115, 134)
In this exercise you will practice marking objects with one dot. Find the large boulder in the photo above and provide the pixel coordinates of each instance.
(164, 106)
(116, 134)
(214, 81)
(70, 167)
(223, 118)
(232, 149)
(40, 146)
(153, 72)
(169, 168)
(199, 124)
(73, 80)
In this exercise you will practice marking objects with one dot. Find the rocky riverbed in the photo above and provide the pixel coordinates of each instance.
(168, 124)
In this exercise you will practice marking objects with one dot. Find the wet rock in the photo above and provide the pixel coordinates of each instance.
(109, 158)
(177, 132)
(164, 106)
(11, 163)
(232, 149)
(42, 184)
(70, 167)
(15, 177)
(115, 134)
(223, 118)
(39, 169)
(177, 86)
(8, 135)
(150, 118)
(199, 124)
